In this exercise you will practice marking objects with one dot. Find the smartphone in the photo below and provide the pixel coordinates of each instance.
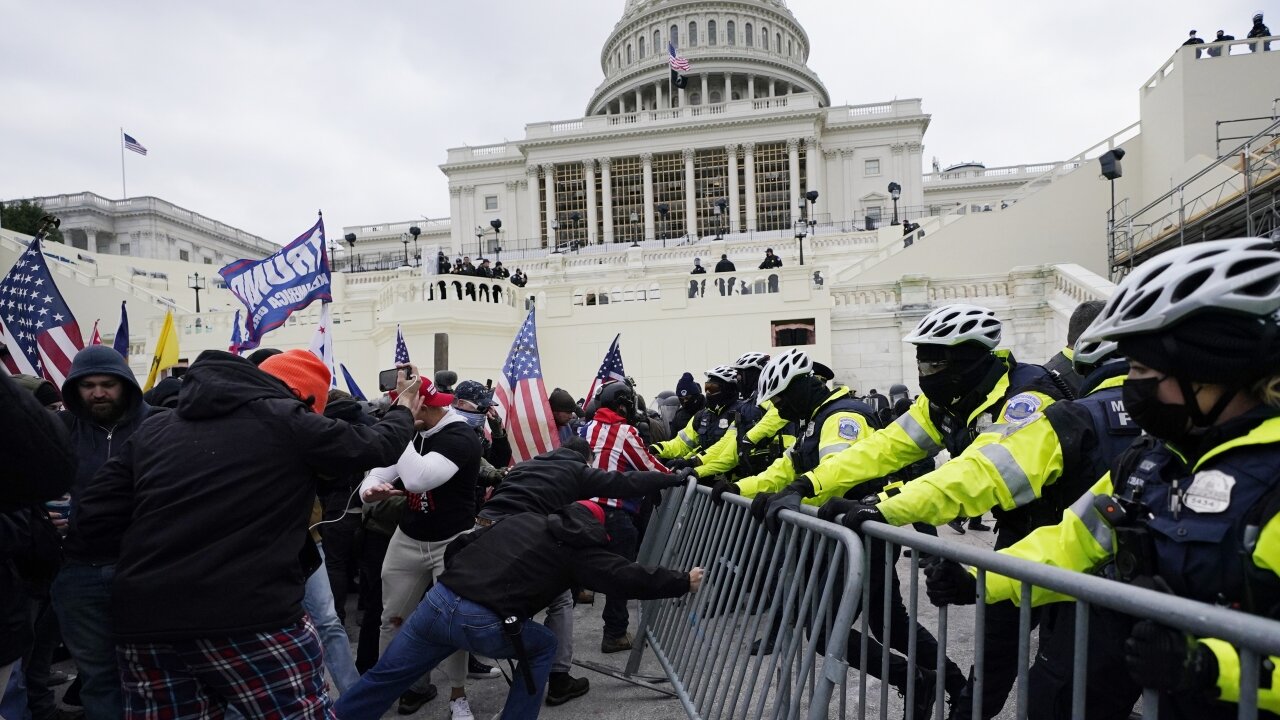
(387, 378)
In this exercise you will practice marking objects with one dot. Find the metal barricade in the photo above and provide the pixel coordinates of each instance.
(796, 591)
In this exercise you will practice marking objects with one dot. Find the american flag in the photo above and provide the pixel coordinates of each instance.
(523, 395)
(121, 342)
(610, 369)
(678, 63)
(402, 350)
(236, 336)
(35, 323)
(134, 145)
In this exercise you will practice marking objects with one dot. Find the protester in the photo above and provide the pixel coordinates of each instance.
(689, 393)
(37, 461)
(496, 579)
(484, 270)
(207, 507)
(500, 272)
(566, 413)
(442, 263)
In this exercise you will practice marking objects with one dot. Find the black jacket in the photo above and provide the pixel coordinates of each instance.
(687, 411)
(726, 266)
(552, 480)
(36, 454)
(771, 261)
(518, 566)
(209, 504)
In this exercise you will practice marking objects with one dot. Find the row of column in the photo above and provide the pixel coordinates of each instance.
(547, 200)
(770, 87)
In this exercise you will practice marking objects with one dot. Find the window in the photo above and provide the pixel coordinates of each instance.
(628, 53)
(764, 38)
(711, 32)
(184, 255)
(657, 42)
(695, 98)
(794, 332)
(641, 48)
(751, 39)
(693, 34)
(675, 35)
(124, 248)
(871, 168)
(733, 33)
(791, 50)
(490, 202)
(778, 41)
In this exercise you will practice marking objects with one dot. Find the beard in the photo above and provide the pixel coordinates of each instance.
(106, 411)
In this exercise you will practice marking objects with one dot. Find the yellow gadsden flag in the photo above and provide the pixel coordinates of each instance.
(166, 351)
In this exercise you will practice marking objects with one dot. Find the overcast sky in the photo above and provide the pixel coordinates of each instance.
(259, 113)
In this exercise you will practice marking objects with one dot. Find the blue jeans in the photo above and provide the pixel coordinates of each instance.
(82, 600)
(442, 624)
(317, 600)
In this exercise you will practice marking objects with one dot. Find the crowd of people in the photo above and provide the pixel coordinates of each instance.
(1259, 29)
(194, 547)
(480, 268)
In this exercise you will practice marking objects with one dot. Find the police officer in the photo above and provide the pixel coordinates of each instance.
(1198, 498)
(758, 435)
(1062, 365)
(1060, 453)
(709, 424)
(834, 421)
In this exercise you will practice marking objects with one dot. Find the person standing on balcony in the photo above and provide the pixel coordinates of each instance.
(697, 287)
(500, 272)
(1193, 40)
(770, 260)
(1260, 30)
(519, 278)
(1222, 36)
(725, 266)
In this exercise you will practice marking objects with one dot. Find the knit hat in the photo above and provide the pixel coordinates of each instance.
(596, 510)
(46, 392)
(304, 373)
(562, 401)
(687, 386)
(432, 397)
(1220, 348)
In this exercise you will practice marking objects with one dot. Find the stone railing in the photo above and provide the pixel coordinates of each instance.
(1210, 51)
(1010, 173)
(875, 111)
(428, 226)
(460, 292)
(604, 123)
(1069, 283)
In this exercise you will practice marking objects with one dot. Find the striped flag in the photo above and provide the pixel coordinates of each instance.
(678, 63)
(610, 369)
(237, 338)
(36, 325)
(402, 350)
(522, 394)
(94, 337)
(134, 145)
(322, 343)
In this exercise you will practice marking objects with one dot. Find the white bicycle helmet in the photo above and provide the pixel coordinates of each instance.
(723, 373)
(1092, 352)
(751, 360)
(1239, 275)
(781, 370)
(953, 324)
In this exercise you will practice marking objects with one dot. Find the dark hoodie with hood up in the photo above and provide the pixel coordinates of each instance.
(518, 566)
(208, 504)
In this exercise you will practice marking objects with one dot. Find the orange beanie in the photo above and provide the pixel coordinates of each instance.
(304, 373)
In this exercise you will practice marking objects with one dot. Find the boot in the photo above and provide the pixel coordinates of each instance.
(561, 688)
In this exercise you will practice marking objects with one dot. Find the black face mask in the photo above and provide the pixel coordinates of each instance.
(788, 407)
(1171, 423)
(948, 387)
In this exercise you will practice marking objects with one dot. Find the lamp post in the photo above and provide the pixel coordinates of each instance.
(1111, 170)
(555, 225)
(496, 224)
(415, 231)
(351, 256)
(720, 210)
(197, 283)
(801, 229)
(635, 241)
(895, 192)
(404, 239)
(479, 242)
(662, 212)
(575, 217)
(806, 223)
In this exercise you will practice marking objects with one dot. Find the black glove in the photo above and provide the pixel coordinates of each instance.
(785, 500)
(722, 487)
(682, 475)
(678, 464)
(834, 508)
(946, 582)
(862, 512)
(758, 505)
(653, 450)
(1169, 660)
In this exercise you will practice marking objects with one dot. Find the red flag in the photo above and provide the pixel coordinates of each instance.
(523, 396)
(95, 338)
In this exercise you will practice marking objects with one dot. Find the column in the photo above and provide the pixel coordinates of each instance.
(657, 95)
(811, 156)
(647, 211)
(639, 101)
(684, 98)
(751, 87)
(455, 225)
(706, 99)
(606, 189)
(728, 88)
(773, 89)
(469, 212)
(549, 200)
(793, 174)
(532, 224)
(690, 201)
(589, 175)
(852, 212)
(732, 151)
(749, 157)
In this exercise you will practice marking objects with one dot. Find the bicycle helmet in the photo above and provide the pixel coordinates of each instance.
(957, 323)
(751, 360)
(723, 373)
(1093, 353)
(781, 371)
(1239, 276)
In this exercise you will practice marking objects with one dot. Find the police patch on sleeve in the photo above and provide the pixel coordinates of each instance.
(1021, 406)
(849, 429)
(1210, 492)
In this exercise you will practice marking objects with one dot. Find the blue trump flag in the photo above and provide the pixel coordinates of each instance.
(121, 343)
(279, 285)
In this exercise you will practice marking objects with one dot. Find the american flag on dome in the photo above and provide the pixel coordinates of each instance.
(523, 396)
(36, 325)
(402, 350)
(610, 369)
(678, 63)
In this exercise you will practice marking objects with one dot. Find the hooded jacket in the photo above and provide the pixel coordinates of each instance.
(518, 566)
(208, 504)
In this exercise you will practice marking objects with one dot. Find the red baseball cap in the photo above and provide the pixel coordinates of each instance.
(433, 397)
(594, 507)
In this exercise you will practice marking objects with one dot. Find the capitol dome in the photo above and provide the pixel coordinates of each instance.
(737, 50)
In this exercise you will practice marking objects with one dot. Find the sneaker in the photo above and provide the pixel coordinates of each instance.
(412, 700)
(562, 688)
(56, 678)
(922, 702)
(957, 525)
(480, 671)
(976, 524)
(460, 709)
(615, 644)
(585, 597)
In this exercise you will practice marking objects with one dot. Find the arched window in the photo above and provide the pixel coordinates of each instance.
(764, 38)
(693, 34)
(791, 50)
(751, 38)
(715, 97)
(733, 33)
(628, 53)
(641, 48)
(711, 32)
(675, 35)
(777, 38)
(657, 42)
(695, 98)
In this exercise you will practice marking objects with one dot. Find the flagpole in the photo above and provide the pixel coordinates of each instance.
(124, 189)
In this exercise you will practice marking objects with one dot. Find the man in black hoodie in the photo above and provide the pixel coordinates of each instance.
(207, 509)
(497, 578)
(103, 408)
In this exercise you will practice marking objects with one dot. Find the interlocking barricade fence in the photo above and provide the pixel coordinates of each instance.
(1254, 637)
(796, 592)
